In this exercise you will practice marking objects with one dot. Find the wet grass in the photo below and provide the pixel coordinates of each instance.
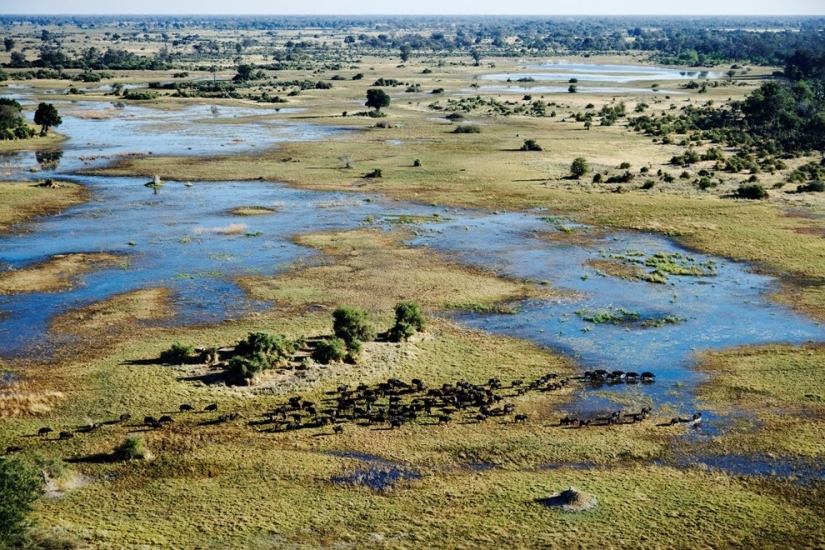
(781, 390)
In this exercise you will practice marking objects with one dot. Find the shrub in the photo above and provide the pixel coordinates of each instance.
(350, 324)
(531, 145)
(597, 178)
(20, 485)
(579, 167)
(263, 342)
(177, 354)
(648, 184)
(464, 129)
(454, 116)
(241, 367)
(624, 166)
(752, 191)
(409, 319)
(812, 187)
(132, 448)
(330, 350)
(140, 96)
(417, 163)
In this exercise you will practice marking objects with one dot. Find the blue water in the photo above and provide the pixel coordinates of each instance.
(592, 72)
(728, 309)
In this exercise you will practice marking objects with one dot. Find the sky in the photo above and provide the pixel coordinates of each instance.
(418, 7)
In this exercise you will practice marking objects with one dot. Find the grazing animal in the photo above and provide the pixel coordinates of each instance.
(186, 407)
(211, 407)
(13, 449)
(444, 419)
(66, 435)
(481, 417)
(44, 431)
(697, 419)
(124, 417)
(149, 420)
(338, 429)
(568, 420)
(584, 423)
(296, 417)
(165, 419)
(520, 418)
(293, 426)
(509, 408)
(395, 423)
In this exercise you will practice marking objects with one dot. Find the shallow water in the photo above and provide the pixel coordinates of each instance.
(728, 309)
(521, 89)
(593, 72)
(181, 242)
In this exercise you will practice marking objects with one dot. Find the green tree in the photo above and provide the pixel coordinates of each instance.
(406, 51)
(9, 44)
(350, 324)
(46, 116)
(409, 319)
(579, 167)
(476, 56)
(330, 350)
(12, 124)
(377, 99)
(20, 485)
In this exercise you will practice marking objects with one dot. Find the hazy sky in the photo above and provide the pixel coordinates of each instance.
(458, 7)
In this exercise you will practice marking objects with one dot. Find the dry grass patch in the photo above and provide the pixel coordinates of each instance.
(59, 273)
(21, 399)
(252, 211)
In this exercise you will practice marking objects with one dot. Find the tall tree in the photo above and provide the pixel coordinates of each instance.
(377, 98)
(47, 116)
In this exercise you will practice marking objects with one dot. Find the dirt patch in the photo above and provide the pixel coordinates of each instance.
(57, 274)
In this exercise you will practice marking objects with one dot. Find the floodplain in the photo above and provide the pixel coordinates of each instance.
(145, 224)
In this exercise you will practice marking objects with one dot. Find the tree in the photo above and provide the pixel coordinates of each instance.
(377, 99)
(20, 485)
(9, 44)
(476, 56)
(46, 116)
(12, 125)
(406, 50)
(409, 319)
(579, 167)
(350, 324)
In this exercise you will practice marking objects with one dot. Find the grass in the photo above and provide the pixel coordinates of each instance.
(780, 387)
(23, 201)
(56, 274)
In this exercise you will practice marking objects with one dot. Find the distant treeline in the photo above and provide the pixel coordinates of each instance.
(696, 41)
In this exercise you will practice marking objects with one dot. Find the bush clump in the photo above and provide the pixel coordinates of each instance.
(752, 191)
(330, 350)
(20, 485)
(531, 145)
(177, 354)
(812, 187)
(132, 448)
(351, 325)
(579, 167)
(465, 129)
(409, 319)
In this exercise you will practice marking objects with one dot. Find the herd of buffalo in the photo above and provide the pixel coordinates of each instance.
(394, 403)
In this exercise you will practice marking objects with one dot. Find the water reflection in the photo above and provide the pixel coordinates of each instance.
(48, 160)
